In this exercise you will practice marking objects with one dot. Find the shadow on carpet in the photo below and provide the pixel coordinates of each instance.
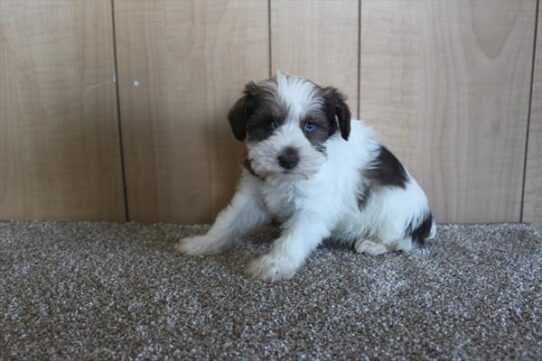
(107, 291)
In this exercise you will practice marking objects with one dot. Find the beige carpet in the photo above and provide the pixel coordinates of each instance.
(103, 291)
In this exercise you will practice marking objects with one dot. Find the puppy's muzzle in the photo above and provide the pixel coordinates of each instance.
(289, 158)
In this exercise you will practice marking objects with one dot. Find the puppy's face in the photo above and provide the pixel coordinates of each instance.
(287, 122)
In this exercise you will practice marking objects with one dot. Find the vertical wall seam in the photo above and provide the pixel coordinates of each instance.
(358, 110)
(269, 33)
(119, 119)
(527, 131)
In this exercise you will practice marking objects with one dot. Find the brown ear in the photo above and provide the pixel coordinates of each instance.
(241, 111)
(336, 108)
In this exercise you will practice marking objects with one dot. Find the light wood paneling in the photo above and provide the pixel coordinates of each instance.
(318, 40)
(59, 147)
(446, 84)
(182, 64)
(532, 211)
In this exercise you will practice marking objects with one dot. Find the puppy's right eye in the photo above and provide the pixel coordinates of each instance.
(271, 124)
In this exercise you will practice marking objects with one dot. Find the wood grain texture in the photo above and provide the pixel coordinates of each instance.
(446, 84)
(318, 40)
(59, 146)
(182, 65)
(532, 209)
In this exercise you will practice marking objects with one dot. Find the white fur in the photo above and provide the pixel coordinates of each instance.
(316, 200)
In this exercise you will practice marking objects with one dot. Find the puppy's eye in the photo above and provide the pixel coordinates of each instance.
(271, 124)
(309, 127)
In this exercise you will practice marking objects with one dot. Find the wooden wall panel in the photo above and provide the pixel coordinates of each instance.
(318, 40)
(446, 84)
(532, 211)
(182, 65)
(59, 146)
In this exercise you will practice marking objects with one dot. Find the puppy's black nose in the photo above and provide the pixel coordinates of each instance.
(288, 159)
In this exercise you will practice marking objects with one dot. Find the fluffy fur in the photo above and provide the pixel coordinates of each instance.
(321, 175)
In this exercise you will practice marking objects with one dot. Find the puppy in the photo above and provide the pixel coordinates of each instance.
(319, 174)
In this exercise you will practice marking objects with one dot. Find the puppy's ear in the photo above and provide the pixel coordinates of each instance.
(335, 107)
(242, 110)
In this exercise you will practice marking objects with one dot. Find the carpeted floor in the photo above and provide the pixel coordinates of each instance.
(104, 291)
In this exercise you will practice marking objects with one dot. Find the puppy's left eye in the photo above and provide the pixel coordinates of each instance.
(309, 127)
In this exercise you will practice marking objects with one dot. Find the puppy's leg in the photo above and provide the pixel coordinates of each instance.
(370, 247)
(243, 215)
(301, 235)
(378, 247)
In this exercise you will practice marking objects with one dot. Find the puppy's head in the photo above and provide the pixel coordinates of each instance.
(287, 122)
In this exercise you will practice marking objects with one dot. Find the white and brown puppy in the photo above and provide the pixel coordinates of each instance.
(319, 174)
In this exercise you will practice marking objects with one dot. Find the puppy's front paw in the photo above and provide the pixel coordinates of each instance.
(272, 268)
(199, 245)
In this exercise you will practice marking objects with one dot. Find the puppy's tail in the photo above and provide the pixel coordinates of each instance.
(422, 229)
(433, 231)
